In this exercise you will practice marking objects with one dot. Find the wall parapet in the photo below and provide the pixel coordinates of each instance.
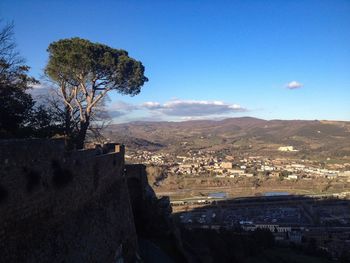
(45, 191)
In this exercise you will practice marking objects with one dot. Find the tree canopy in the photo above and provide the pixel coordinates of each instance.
(85, 72)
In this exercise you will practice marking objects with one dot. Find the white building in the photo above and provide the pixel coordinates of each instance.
(287, 149)
(292, 177)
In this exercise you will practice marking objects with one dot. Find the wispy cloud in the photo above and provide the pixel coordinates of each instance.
(188, 108)
(40, 90)
(152, 105)
(294, 85)
(121, 108)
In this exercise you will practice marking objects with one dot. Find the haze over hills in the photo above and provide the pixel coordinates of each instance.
(311, 138)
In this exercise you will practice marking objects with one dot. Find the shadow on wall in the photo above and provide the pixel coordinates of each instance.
(152, 216)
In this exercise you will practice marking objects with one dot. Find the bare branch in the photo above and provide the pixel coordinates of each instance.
(98, 98)
(81, 111)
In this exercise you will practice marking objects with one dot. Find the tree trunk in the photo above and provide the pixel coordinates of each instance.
(68, 129)
(80, 139)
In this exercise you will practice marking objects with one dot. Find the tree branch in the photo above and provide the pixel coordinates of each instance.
(75, 92)
(98, 98)
(64, 95)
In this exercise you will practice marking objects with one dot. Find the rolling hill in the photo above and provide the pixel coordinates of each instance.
(247, 134)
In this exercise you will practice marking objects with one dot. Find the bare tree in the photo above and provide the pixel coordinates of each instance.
(68, 120)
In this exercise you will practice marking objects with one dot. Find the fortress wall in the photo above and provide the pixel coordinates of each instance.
(137, 181)
(57, 205)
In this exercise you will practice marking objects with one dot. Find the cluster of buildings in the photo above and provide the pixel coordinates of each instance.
(200, 163)
(293, 220)
(297, 221)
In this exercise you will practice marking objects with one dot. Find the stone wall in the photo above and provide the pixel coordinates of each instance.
(58, 206)
(152, 217)
(151, 214)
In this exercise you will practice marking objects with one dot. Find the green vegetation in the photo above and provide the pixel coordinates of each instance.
(84, 72)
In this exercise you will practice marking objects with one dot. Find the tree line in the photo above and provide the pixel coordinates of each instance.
(80, 73)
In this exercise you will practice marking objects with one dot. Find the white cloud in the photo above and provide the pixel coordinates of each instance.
(151, 105)
(116, 114)
(190, 108)
(121, 108)
(294, 85)
(172, 110)
(39, 90)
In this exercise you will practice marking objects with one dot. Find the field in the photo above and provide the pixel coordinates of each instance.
(194, 187)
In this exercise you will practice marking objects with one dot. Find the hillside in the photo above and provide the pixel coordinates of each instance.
(311, 138)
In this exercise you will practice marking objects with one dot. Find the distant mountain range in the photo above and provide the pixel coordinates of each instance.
(246, 134)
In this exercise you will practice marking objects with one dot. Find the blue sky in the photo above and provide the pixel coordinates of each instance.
(208, 59)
